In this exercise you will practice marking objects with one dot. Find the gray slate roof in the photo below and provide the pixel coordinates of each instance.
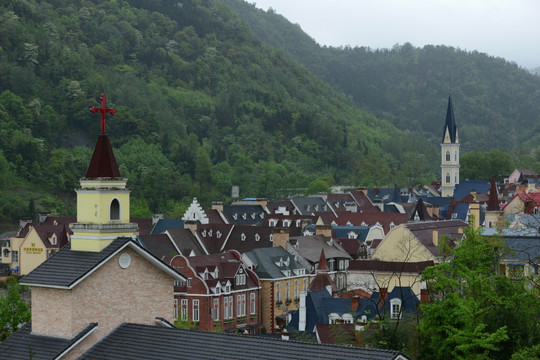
(265, 260)
(18, 345)
(132, 341)
(65, 267)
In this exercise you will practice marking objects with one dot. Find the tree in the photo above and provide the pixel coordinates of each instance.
(13, 310)
(475, 313)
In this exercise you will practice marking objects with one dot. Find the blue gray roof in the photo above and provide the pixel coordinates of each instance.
(165, 224)
(133, 341)
(409, 302)
(245, 214)
(20, 344)
(310, 204)
(343, 231)
(464, 188)
(265, 260)
(524, 244)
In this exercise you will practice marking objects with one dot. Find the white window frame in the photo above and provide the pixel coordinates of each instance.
(195, 314)
(252, 307)
(395, 309)
(183, 309)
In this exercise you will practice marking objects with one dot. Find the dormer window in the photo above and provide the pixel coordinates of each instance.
(257, 237)
(261, 215)
(210, 232)
(204, 233)
(244, 216)
(253, 216)
(298, 223)
(115, 210)
(235, 216)
(392, 225)
(272, 222)
(395, 308)
(286, 223)
(53, 239)
(218, 234)
(271, 237)
(243, 237)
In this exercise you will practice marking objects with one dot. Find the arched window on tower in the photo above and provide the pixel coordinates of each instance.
(115, 209)
(448, 178)
(455, 155)
(447, 155)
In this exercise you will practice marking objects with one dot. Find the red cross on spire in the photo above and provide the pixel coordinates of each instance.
(103, 110)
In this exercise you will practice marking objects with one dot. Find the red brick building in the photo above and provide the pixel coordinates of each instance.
(220, 292)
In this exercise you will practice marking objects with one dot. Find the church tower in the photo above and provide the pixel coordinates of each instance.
(103, 199)
(449, 154)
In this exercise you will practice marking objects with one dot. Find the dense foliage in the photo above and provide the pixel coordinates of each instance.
(202, 105)
(476, 313)
(496, 103)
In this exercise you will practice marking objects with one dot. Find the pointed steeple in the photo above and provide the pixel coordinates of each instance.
(450, 124)
(323, 266)
(103, 163)
(493, 202)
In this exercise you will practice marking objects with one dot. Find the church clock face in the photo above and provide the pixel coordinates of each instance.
(124, 260)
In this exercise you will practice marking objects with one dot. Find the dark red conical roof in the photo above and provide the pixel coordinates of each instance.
(103, 163)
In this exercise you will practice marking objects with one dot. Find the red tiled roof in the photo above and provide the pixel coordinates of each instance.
(103, 164)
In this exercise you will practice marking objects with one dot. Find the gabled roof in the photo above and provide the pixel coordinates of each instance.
(273, 206)
(133, 341)
(265, 260)
(450, 123)
(186, 241)
(361, 199)
(245, 238)
(370, 219)
(160, 245)
(310, 204)
(335, 333)
(214, 236)
(19, 345)
(465, 187)
(103, 164)
(66, 268)
(309, 247)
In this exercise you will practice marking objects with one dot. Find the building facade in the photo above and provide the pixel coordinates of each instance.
(449, 154)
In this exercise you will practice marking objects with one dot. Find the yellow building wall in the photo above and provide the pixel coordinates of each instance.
(402, 246)
(392, 280)
(93, 207)
(515, 206)
(31, 253)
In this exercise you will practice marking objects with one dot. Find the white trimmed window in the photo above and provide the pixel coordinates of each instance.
(115, 210)
(215, 310)
(195, 310)
(252, 309)
(176, 308)
(395, 309)
(183, 309)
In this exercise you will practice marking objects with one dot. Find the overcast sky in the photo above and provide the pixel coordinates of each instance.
(502, 28)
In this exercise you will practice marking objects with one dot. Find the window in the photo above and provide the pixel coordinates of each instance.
(53, 240)
(448, 178)
(296, 289)
(287, 293)
(227, 307)
(176, 308)
(252, 303)
(189, 282)
(447, 155)
(278, 296)
(179, 283)
(455, 155)
(218, 234)
(115, 210)
(15, 256)
(305, 284)
(215, 310)
(183, 310)
(341, 265)
(395, 309)
(243, 237)
(241, 305)
(195, 310)
(240, 278)
(257, 237)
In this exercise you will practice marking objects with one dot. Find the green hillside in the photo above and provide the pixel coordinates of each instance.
(202, 105)
(497, 103)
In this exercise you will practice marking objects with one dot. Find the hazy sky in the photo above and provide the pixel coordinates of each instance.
(502, 28)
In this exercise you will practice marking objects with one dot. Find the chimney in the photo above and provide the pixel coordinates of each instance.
(474, 212)
(156, 218)
(383, 294)
(302, 312)
(355, 302)
(435, 236)
(375, 191)
(284, 335)
(424, 296)
(217, 205)
(280, 237)
(191, 225)
(43, 216)
(24, 221)
(451, 207)
(324, 230)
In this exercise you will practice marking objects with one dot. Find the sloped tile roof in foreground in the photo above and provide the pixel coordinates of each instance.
(132, 341)
(66, 266)
(19, 345)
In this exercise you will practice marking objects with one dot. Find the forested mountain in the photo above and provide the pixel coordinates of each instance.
(497, 103)
(202, 104)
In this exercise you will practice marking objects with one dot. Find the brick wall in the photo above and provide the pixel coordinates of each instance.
(109, 296)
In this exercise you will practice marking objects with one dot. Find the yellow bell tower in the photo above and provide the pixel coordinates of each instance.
(449, 154)
(103, 199)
